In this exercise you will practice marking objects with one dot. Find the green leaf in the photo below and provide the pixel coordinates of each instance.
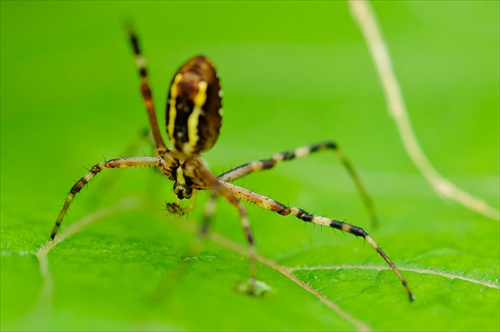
(293, 73)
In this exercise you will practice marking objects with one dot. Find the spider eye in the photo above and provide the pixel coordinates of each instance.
(194, 107)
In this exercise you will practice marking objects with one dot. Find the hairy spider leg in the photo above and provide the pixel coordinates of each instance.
(131, 149)
(259, 165)
(140, 62)
(113, 163)
(220, 188)
(275, 206)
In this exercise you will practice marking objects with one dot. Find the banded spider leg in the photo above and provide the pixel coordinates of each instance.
(275, 206)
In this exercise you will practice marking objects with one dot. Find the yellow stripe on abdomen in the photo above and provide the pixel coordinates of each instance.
(172, 111)
(194, 117)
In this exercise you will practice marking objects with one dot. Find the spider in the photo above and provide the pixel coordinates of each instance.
(193, 121)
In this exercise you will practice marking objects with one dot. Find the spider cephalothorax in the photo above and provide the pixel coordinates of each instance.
(193, 121)
(187, 178)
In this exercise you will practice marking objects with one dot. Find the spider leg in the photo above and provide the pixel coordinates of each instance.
(273, 205)
(113, 163)
(220, 188)
(140, 62)
(259, 165)
(209, 212)
(132, 149)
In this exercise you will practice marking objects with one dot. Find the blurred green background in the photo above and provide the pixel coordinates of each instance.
(293, 73)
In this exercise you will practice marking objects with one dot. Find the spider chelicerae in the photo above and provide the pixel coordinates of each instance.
(193, 121)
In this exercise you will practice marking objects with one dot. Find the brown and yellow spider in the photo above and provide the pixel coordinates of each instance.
(193, 120)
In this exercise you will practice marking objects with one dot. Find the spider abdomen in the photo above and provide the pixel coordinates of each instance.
(194, 107)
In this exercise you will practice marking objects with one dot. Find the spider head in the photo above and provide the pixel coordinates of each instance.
(183, 185)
